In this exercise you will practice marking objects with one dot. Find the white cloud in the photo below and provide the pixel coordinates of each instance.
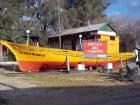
(135, 3)
(117, 13)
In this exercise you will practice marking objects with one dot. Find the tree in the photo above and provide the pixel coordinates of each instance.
(44, 16)
(128, 32)
(12, 23)
(73, 13)
(8, 19)
(84, 12)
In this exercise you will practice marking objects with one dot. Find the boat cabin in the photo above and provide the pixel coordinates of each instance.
(70, 39)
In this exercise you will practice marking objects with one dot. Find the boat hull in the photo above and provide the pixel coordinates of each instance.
(32, 66)
(35, 59)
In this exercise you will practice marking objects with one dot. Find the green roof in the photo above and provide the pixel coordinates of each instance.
(102, 27)
(106, 27)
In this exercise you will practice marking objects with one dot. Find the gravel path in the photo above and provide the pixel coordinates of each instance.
(13, 86)
(11, 83)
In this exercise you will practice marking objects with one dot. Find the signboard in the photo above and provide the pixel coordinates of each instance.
(95, 49)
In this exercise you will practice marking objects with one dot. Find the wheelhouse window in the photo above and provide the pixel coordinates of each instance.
(97, 38)
(112, 38)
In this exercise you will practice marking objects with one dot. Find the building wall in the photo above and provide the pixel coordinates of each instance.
(112, 45)
(67, 44)
(71, 42)
(54, 42)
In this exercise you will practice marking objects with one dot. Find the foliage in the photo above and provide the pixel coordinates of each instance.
(9, 19)
(128, 32)
(44, 15)
(73, 13)
(81, 12)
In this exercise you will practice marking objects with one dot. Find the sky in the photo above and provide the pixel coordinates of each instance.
(129, 9)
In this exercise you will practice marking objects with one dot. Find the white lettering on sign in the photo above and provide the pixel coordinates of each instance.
(95, 47)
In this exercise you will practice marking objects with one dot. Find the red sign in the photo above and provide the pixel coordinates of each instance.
(95, 47)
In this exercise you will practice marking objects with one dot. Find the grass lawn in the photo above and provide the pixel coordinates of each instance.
(66, 80)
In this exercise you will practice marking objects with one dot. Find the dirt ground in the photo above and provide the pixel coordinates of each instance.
(23, 89)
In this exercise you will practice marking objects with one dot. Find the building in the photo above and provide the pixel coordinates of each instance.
(3, 52)
(6, 54)
(100, 32)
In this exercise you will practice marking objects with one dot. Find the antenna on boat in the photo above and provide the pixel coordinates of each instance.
(28, 38)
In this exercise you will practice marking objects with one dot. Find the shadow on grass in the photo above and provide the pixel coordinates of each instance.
(113, 75)
(3, 101)
(86, 95)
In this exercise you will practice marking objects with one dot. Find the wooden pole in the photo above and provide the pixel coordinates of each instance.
(121, 63)
(59, 22)
(68, 63)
